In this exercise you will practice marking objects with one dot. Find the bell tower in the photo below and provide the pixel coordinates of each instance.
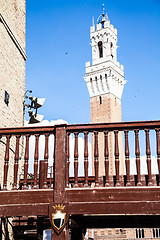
(105, 82)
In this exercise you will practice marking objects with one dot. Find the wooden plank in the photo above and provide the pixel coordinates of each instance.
(120, 194)
(114, 201)
(59, 165)
(107, 208)
(24, 210)
(26, 197)
(140, 200)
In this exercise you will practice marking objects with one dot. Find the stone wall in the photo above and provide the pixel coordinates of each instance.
(12, 82)
(12, 74)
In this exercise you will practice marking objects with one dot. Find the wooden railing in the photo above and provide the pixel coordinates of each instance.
(42, 178)
(126, 179)
(13, 147)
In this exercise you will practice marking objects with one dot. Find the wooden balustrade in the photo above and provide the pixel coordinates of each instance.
(14, 151)
(119, 179)
(106, 152)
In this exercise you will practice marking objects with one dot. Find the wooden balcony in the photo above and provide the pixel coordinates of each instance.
(135, 193)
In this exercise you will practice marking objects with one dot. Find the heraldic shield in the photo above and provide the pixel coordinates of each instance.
(58, 216)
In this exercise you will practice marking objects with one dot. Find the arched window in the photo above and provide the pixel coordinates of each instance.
(100, 100)
(111, 49)
(100, 47)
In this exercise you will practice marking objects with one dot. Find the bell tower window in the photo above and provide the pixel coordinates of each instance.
(111, 49)
(100, 47)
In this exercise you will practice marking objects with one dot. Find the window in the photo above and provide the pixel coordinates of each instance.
(100, 100)
(156, 233)
(139, 233)
(91, 85)
(111, 49)
(6, 97)
(100, 47)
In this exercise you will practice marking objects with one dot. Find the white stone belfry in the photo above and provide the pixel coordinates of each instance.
(105, 75)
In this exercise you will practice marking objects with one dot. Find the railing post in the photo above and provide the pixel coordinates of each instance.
(137, 153)
(59, 164)
(76, 160)
(86, 158)
(41, 174)
(36, 155)
(46, 161)
(67, 161)
(16, 162)
(148, 153)
(26, 157)
(116, 152)
(158, 152)
(127, 160)
(96, 159)
(6, 162)
(106, 156)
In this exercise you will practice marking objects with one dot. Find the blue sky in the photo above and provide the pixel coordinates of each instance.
(58, 47)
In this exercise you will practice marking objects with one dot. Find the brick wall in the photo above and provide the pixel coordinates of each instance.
(106, 109)
(12, 74)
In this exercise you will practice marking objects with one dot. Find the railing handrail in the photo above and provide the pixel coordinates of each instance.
(121, 126)
(27, 130)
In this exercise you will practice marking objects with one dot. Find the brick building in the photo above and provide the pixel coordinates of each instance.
(12, 81)
(12, 70)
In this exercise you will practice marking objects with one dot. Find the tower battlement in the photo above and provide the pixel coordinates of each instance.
(99, 26)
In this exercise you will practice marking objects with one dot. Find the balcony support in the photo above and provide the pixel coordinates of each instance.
(59, 175)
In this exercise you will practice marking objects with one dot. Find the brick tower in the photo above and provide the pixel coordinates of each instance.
(105, 82)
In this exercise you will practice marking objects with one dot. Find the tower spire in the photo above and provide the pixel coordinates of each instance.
(103, 17)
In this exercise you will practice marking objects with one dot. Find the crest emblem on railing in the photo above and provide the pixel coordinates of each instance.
(58, 217)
